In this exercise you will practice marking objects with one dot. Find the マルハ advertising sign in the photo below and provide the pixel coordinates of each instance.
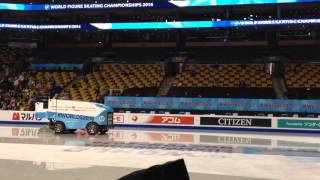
(299, 123)
(23, 115)
(17, 116)
(236, 121)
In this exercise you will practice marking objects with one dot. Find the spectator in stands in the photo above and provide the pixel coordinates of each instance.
(43, 88)
(215, 84)
(4, 70)
(55, 91)
(242, 84)
(51, 79)
(16, 84)
(31, 103)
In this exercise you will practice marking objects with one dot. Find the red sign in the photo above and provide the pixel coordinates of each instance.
(185, 120)
(170, 137)
(15, 116)
(118, 118)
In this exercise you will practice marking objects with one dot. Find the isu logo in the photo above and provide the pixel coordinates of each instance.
(46, 7)
(186, 120)
(15, 116)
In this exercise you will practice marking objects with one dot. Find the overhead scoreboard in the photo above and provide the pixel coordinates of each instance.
(154, 4)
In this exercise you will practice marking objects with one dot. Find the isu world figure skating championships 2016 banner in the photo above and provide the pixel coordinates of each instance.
(219, 104)
(162, 25)
(154, 4)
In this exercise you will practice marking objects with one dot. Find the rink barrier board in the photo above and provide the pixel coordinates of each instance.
(183, 127)
(185, 121)
(148, 120)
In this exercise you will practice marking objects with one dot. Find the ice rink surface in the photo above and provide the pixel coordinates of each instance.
(34, 152)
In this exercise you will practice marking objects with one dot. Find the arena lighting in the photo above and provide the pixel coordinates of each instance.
(155, 4)
(162, 25)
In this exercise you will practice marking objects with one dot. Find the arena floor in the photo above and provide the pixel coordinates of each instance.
(33, 152)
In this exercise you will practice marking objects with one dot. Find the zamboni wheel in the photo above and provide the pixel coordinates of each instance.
(92, 128)
(59, 128)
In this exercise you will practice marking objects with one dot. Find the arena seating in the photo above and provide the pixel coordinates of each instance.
(15, 93)
(195, 80)
(61, 78)
(302, 81)
(131, 79)
(20, 87)
(224, 80)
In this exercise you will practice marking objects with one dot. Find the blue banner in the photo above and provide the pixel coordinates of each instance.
(162, 25)
(155, 4)
(57, 66)
(217, 104)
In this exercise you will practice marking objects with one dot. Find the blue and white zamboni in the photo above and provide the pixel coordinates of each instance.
(67, 115)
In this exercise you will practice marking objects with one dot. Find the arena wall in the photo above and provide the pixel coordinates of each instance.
(200, 122)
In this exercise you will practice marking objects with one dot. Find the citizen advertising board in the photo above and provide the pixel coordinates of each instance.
(236, 121)
(298, 124)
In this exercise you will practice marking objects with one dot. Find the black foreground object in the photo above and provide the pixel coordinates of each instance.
(173, 170)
